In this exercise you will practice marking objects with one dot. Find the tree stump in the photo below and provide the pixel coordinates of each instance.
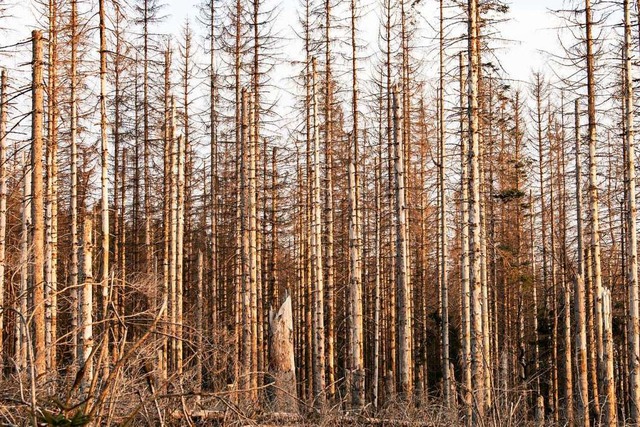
(281, 359)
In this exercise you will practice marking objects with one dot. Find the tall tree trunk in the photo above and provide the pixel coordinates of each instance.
(377, 279)
(595, 214)
(104, 186)
(37, 206)
(51, 225)
(402, 260)
(446, 374)
(633, 320)
(579, 298)
(329, 215)
(75, 247)
(21, 323)
(465, 294)
(477, 359)
(316, 254)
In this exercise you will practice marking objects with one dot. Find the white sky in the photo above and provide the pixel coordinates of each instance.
(531, 28)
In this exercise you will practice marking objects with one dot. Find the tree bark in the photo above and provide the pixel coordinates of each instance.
(38, 204)
(402, 260)
(281, 358)
(633, 320)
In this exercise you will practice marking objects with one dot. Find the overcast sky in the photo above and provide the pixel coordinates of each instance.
(531, 28)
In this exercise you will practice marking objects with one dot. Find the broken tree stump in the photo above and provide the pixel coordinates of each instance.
(282, 369)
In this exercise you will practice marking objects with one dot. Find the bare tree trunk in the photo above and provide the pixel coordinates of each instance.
(253, 249)
(214, 277)
(355, 293)
(477, 359)
(200, 331)
(402, 260)
(632, 245)
(329, 215)
(173, 266)
(86, 304)
(579, 290)
(554, 395)
(75, 247)
(446, 374)
(3, 208)
(167, 209)
(316, 255)
(21, 323)
(356, 342)
(609, 386)
(38, 204)
(245, 353)
(104, 186)
(534, 297)
(51, 225)
(377, 280)
(180, 253)
(281, 357)
(566, 286)
(595, 215)
(465, 294)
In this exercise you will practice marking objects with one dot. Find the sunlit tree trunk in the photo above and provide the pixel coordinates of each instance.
(51, 225)
(465, 294)
(316, 253)
(477, 359)
(579, 291)
(632, 245)
(37, 144)
(86, 304)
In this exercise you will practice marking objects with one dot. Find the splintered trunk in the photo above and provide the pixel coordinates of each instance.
(86, 304)
(402, 260)
(282, 358)
(37, 206)
(633, 321)
(316, 255)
